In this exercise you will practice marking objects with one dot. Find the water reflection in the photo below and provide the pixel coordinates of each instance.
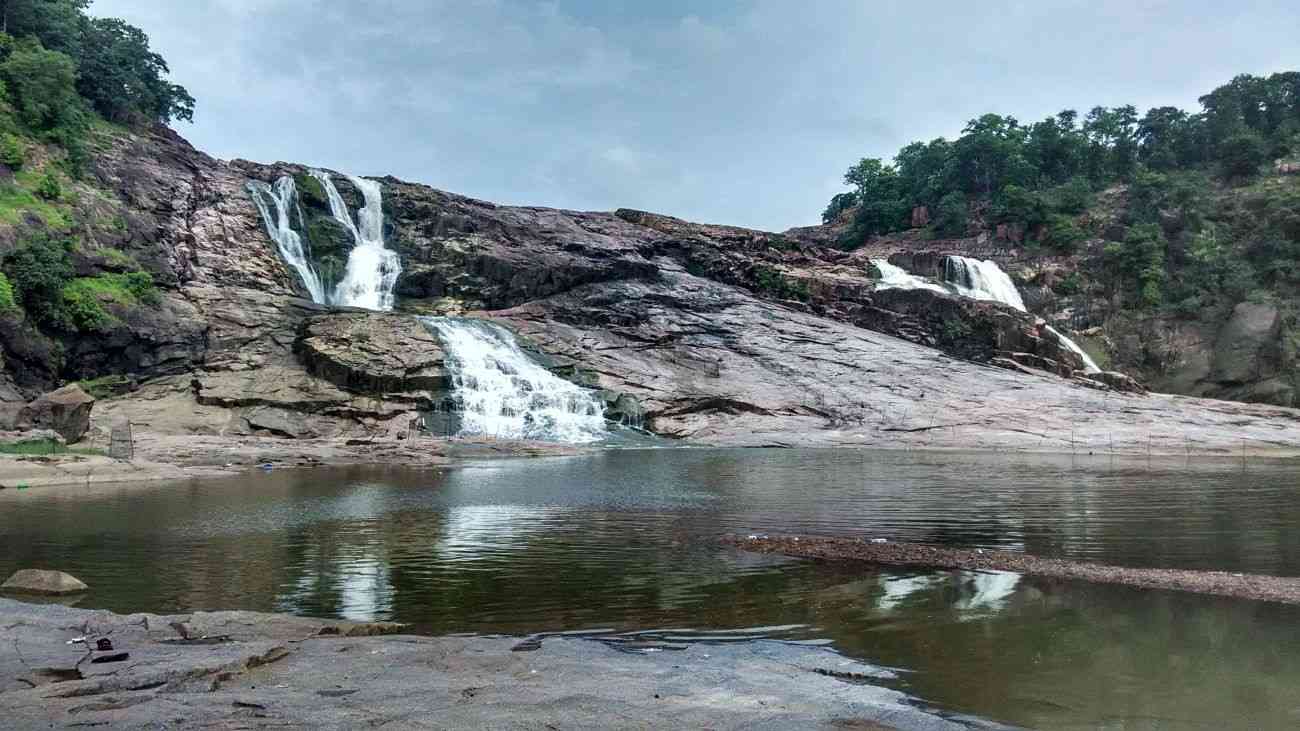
(620, 542)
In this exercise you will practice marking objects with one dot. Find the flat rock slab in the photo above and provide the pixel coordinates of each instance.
(273, 670)
(39, 581)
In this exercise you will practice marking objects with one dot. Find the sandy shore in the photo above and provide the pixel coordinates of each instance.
(164, 457)
(1220, 583)
(248, 670)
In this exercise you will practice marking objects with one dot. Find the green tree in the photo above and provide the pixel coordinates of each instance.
(880, 209)
(38, 271)
(49, 187)
(952, 215)
(43, 85)
(126, 81)
(1241, 154)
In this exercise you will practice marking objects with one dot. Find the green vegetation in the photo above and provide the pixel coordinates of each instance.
(7, 302)
(49, 188)
(1192, 215)
(105, 386)
(38, 447)
(43, 281)
(773, 282)
(13, 153)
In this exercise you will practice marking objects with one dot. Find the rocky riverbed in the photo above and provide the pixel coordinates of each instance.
(248, 670)
(1285, 590)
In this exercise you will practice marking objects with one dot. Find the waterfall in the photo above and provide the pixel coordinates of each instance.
(500, 391)
(895, 277)
(981, 280)
(372, 268)
(284, 196)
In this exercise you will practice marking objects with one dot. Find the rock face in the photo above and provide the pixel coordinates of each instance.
(66, 411)
(37, 581)
(372, 352)
(714, 334)
(1242, 350)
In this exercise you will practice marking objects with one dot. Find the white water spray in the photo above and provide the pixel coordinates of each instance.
(372, 268)
(284, 197)
(895, 277)
(502, 392)
(981, 280)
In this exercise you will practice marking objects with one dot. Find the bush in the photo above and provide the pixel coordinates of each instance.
(49, 187)
(12, 151)
(38, 270)
(83, 299)
(7, 302)
(1241, 154)
(1063, 234)
(950, 218)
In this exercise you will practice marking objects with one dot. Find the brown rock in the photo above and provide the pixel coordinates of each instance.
(372, 352)
(920, 217)
(38, 581)
(66, 411)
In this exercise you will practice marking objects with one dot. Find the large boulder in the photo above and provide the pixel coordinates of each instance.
(48, 583)
(66, 411)
(372, 352)
(1246, 349)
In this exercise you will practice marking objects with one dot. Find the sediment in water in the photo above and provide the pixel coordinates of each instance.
(1281, 589)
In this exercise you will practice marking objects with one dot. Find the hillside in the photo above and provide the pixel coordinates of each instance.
(1171, 239)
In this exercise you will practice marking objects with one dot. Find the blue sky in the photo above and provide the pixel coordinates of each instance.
(728, 112)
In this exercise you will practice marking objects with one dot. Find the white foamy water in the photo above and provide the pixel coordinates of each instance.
(372, 268)
(276, 203)
(502, 392)
(896, 277)
(981, 280)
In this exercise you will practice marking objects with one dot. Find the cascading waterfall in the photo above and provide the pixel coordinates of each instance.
(372, 268)
(981, 280)
(279, 226)
(501, 392)
(895, 277)
(985, 280)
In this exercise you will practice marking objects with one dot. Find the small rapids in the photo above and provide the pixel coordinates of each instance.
(502, 392)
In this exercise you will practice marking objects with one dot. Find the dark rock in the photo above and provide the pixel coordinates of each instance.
(66, 411)
(372, 352)
(1245, 348)
(920, 217)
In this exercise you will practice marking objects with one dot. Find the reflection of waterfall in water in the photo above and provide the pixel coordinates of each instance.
(981, 280)
(500, 391)
(372, 268)
(279, 226)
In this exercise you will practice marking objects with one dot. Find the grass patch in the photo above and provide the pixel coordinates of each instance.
(7, 302)
(41, 447)
(105, 387)
(83, 298)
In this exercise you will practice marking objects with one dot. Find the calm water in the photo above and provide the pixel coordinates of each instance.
(621, 542)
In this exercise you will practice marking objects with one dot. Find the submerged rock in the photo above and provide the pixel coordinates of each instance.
(39, 581)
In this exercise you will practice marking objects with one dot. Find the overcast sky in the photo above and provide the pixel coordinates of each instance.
(743, 112)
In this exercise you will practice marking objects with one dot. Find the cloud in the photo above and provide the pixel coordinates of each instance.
(743, 112)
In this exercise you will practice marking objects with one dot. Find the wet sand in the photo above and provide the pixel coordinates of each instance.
(1281, 589)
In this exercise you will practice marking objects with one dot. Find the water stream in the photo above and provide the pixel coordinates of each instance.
(277, 203)
(503, 392)
(976, 279)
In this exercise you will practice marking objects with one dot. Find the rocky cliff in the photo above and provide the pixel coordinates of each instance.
(711, 334)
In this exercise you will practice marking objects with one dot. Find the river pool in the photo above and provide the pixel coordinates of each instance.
(621, 544)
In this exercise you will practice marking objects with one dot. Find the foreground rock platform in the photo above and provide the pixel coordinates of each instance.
(249, 670)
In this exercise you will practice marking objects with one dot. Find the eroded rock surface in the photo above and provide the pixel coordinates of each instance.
(66, 411)
(222, 669)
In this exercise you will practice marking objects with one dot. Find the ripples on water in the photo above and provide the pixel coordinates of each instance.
(619, 545)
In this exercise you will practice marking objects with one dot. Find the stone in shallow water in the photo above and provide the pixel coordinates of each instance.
(38, 581)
